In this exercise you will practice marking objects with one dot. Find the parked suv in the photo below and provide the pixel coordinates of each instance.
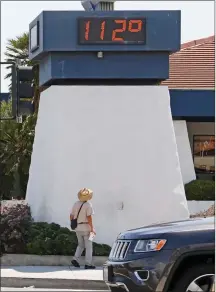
(169, 257)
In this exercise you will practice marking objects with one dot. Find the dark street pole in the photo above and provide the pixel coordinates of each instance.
(13, 91)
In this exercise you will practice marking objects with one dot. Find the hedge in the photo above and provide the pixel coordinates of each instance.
(19, 234)
(51, 239)
(200, 190)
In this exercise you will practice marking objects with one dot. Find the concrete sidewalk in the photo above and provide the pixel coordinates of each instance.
(44, 260)
(52, 277)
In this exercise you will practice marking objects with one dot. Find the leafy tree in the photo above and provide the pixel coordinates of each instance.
(6, 180)
(17, 49)
(16, 141)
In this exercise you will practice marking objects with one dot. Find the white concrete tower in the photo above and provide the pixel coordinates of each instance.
(113, 131)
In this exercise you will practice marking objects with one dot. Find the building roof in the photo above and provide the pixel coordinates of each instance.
(193, 67)
(4, 96)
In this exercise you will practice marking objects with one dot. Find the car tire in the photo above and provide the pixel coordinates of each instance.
(191, 274)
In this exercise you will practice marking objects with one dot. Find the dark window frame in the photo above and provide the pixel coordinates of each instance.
(194, 138)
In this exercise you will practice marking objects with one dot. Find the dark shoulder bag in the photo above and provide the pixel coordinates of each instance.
(74, 221)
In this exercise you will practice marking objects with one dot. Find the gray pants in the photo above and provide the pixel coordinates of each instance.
(84, 243)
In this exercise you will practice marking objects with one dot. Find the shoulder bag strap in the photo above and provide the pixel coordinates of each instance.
(80, 210)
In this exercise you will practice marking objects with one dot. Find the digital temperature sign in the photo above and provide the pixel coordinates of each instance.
(111, 30)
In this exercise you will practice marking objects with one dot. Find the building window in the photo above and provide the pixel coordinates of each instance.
(204, 153)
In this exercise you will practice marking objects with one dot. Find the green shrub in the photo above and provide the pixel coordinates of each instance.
(51, 239)
(200, 190)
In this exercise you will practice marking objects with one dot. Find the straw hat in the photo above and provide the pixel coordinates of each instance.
(85, 195)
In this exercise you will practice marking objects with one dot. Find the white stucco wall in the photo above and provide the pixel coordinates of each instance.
(184, 151)
(193, 206)
(117, 140)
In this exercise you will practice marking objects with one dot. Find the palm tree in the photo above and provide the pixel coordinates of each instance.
(17, 49)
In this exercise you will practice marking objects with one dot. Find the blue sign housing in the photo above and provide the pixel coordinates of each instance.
(54, 41)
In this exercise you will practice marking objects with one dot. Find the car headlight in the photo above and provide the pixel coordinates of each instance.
(149, 245)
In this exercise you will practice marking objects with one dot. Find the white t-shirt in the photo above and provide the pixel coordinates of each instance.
(86, 211)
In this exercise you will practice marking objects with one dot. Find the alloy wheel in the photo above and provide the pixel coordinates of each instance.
(204, 283)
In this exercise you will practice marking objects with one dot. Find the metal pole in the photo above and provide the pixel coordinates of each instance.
(14, 91)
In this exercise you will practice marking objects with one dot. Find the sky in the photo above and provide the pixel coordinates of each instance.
(197, 18)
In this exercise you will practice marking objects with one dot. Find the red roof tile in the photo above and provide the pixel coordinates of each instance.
(193, 66)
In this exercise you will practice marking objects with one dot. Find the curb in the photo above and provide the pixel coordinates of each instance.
(53, 283)
(45, 260)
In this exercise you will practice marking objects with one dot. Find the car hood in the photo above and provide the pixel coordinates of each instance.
(156, 230)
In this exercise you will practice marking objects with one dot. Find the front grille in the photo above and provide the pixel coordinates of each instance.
(119, 250)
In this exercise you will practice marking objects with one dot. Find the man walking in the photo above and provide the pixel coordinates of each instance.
(83, 211)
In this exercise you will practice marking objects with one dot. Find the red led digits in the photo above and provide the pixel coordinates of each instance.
(133, 26)
(108, 30)
(102, 30)
(87, 27)
(133, 23)
(115, 31)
